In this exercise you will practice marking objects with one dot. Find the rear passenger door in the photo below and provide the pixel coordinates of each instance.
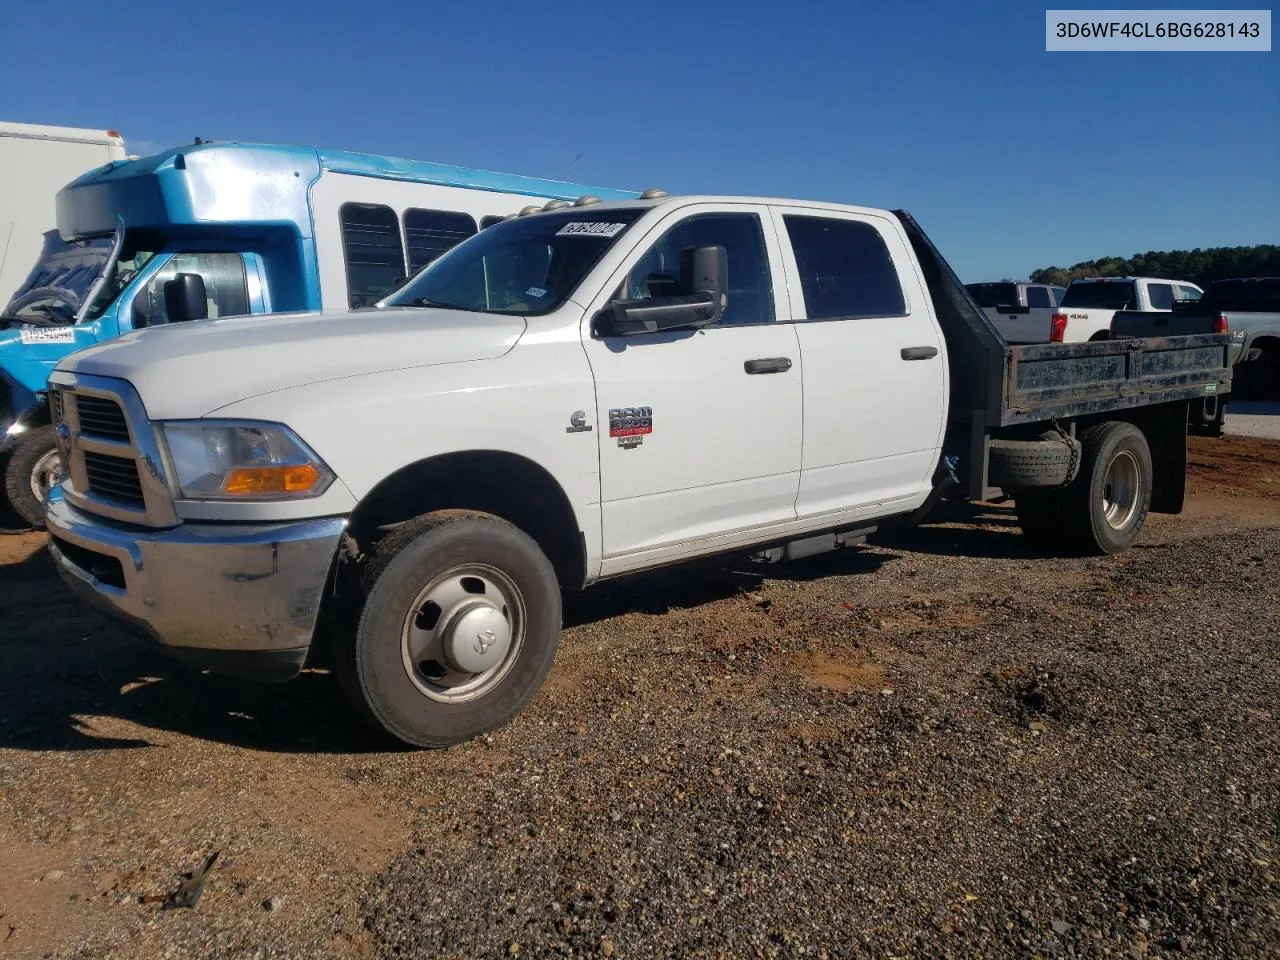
(875, 375)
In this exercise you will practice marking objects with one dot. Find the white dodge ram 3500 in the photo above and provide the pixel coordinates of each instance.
(571, 395)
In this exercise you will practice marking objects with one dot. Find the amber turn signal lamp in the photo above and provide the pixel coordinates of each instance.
(250, 481)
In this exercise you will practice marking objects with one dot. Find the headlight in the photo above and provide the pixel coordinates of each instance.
(242, 460)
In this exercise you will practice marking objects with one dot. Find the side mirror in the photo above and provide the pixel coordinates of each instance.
(704, 282)
(184, 298)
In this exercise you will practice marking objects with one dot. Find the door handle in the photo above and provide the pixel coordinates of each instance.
(768, 365)
(919, 353)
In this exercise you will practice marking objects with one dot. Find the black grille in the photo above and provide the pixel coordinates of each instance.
(114, 477)
(100, 417)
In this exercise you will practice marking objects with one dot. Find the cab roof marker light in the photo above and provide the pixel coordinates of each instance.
(654, 193)
(531, 208)
(555, 204)
(585, 201)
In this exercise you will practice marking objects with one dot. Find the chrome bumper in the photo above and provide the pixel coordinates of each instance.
(241, 599)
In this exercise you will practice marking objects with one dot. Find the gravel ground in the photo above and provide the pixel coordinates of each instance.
(943, 745)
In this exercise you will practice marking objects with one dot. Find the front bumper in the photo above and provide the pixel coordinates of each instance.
(240, 599)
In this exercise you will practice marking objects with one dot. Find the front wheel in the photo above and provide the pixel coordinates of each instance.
(460, 627)
(1109, 501)
(33, 468)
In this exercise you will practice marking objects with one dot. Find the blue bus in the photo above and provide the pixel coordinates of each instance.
(253, 228)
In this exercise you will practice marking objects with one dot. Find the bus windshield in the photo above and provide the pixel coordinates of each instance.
(57, 286)
(528, 266)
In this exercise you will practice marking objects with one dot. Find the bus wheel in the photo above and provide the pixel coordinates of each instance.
(34, 467)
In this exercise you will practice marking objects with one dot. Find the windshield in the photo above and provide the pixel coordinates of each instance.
(119, 275)
(1106, 295)
(988, 295)
(529, 265)
(61, 279)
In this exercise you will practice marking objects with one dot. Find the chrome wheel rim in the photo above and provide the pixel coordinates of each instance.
(46, 472)
(462, 633)
(1120, 490)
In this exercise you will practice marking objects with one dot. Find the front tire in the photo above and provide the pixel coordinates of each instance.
(34, 466)
(460, 627)
(1109, 501)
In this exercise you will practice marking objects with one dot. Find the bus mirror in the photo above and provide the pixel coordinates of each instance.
(184, 298)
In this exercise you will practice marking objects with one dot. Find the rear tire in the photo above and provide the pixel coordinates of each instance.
(459, 629)
(1108, 504)
(33, 468)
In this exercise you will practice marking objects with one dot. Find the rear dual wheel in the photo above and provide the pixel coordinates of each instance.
(1105, 507)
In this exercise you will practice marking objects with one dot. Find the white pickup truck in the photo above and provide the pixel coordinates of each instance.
(576, 394)
(1087, 308)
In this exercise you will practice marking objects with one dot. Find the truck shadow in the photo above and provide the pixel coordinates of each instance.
(71, 682)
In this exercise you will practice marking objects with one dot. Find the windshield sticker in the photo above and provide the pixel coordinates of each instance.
(31, 334)
(590, 229)
(536, 292)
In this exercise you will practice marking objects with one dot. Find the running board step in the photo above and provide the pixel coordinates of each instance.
(812, 546)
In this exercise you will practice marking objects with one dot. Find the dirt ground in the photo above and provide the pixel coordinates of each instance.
(942, 745)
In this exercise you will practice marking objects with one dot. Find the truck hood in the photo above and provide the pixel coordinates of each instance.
(192, 369)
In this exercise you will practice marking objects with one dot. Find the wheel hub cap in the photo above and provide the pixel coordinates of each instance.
(477, 639)
(462, 633)
(46, 473)
(1120, 493)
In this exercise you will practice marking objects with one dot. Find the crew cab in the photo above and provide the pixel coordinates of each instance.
(1245, 308)
(1007, 298)
(569, 396)
(1088, 306)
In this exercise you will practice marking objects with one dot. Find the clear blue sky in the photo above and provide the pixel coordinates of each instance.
(1012, 158)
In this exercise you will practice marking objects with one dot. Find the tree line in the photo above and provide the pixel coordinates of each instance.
(1199, 266)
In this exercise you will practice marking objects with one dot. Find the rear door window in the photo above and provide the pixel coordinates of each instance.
(373, 251)
(1039, 297)
(1160, 295)
(845, 269)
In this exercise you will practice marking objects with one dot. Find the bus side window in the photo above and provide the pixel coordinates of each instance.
(371, 246)
(429, 233)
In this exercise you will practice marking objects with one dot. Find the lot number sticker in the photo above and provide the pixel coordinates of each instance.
(47, 335)
(590, 228)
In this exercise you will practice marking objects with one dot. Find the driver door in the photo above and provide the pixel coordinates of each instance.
(699, 429)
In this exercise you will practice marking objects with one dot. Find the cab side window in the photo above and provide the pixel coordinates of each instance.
(1039, 297)
(750, 298)
(225, 287)
(845, 269)
(1188, 293)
